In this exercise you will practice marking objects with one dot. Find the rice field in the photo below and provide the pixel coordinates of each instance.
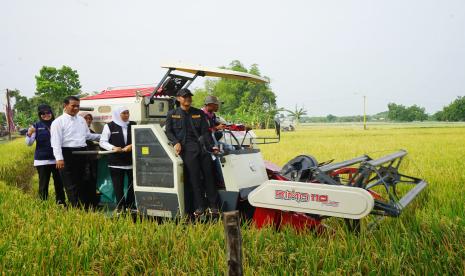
(42, 238)
(16, 164)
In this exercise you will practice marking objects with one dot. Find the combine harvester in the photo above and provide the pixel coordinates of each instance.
(301, 194)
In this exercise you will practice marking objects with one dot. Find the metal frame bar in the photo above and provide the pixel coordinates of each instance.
(168, 73)
(373, 173)
(274, 140)
(340, 165)
(408, 198)
(150, 98)
(387, 158)
(93, 152)
(189, 82)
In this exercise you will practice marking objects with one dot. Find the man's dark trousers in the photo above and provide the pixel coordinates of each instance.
(73, 175)
(197, 164)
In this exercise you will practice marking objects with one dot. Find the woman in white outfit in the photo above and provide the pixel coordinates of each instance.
(116, 136)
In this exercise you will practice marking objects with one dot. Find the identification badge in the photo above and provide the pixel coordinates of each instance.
(176, 116)
(195, 116)
(116, 132)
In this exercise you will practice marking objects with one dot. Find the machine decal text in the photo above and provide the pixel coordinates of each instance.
(300, 197)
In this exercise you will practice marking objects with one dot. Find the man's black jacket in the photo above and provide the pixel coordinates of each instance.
(177, 123)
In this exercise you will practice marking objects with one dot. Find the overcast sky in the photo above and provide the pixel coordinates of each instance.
(323, 55)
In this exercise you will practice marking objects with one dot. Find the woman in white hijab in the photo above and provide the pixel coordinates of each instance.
(116, 136)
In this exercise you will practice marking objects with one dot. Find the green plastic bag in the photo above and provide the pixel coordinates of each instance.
(104, 184)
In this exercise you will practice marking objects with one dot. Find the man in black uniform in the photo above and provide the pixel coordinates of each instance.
(185, 127)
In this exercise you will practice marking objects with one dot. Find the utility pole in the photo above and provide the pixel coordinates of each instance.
(8, 113)
(364, 112)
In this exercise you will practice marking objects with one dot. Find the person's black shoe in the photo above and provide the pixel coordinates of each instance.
(117, 213)
(198, 213)
(61, 203)
(214, 213)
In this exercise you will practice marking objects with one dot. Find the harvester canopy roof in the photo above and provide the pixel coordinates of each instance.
(214, 72)
(121, 92)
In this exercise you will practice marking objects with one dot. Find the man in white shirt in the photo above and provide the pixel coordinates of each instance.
(69, 133)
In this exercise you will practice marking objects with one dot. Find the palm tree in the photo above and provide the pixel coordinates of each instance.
(297, 114)
(271, 113)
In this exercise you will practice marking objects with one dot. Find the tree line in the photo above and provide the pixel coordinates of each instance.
(401, 113)
(52, 86)
(250, 103)
(453, 112)
(330, 118)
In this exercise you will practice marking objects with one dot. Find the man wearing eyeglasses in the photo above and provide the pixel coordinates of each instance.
(69, 133)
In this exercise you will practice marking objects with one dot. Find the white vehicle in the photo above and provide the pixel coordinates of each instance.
(300, 194)
(287, 124)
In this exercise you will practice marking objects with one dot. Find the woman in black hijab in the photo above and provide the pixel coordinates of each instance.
(44, 160)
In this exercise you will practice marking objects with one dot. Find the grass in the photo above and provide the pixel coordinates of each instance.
(41, 238)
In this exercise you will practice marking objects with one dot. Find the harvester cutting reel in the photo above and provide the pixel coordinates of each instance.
(304, 192)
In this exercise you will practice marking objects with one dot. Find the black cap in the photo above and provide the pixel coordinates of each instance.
(184, 92)
(44, 107)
